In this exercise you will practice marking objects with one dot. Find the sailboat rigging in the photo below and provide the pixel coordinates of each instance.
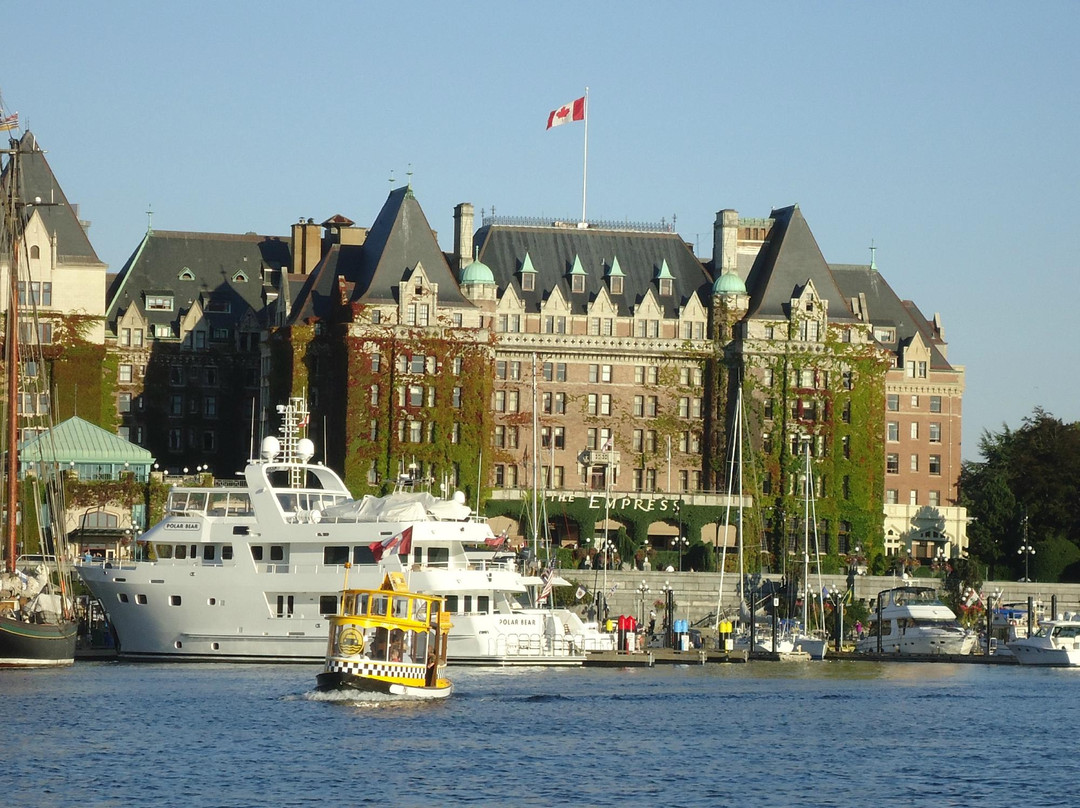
(37, 625)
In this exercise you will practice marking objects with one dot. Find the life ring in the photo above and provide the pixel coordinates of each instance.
(351, 642)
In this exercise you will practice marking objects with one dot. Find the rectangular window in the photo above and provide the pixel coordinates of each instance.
(914, 430)
(935, 499)
(913, 497)
(125, 373)
(124, 402)
(639, 406)
(893, 431)
(935, 464)
(935, 403)
(892, 402)
(914, 462)
(892, 463)
(935, 432)
(651, 406)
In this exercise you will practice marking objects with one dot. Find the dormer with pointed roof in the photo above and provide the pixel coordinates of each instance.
(615, 277)
(664, 280)
(576, 276)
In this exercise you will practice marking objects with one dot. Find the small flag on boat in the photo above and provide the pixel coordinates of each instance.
(500, 540)
(580, 593)
(400, 544)
(548, 577)
(9, 123)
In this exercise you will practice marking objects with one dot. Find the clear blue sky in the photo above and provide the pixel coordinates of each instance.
(944, 133)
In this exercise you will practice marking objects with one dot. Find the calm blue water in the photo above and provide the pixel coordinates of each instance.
(770, 734)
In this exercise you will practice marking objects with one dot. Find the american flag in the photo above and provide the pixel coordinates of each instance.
(400, 543)
(548, 577)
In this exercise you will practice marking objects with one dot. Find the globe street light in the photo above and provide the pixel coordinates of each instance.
(669, 616)
(1027, 551)
(643, 590)
(680, 542)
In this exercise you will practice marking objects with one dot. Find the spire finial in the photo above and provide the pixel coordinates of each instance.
(873, 249)
(149, 218)
(409, 175)
(391, 178)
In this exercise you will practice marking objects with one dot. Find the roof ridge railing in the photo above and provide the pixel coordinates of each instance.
(571, 223)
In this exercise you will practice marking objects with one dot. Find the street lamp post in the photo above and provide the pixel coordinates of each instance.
(669, 617)
(643, 590)
(1027, 551)
(680, 542)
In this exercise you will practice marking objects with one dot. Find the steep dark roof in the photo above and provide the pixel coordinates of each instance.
(885, 308)
(214, 259)
(552, 251)
(399, 239)
(789, 259)
(60, 218)
(314, 300)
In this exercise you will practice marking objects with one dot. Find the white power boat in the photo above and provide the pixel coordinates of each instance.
(252, 572)
(1056, 643)
(914, 622)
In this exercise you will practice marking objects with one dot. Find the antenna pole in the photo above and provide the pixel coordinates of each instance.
(585, 163)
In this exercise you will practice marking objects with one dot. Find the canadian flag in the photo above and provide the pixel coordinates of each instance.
(574, 111)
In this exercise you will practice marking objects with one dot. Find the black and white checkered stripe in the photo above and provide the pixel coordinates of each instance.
(390, 670)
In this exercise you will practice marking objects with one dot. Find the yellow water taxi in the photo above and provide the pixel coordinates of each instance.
(388, 640)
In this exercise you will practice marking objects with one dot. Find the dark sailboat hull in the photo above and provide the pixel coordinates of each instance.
(34, 645)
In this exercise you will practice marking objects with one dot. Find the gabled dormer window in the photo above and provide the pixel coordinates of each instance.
(665, 281)
(186, 275)
(616, 285)
(577, 276)
(240, 276)
(528, 274)
(665, 286)
(159, 303)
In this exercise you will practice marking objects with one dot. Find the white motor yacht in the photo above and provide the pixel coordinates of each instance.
(1056, 643)
(914, 622)
(252, 571)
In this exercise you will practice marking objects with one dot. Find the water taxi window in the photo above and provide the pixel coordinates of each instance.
(163, 550)
(379, 605)
(277, 552)
(335, 555)
(401, 608)
(362, 555)
(483, 604)
(226, 552)
(420, 610)
(208, 552)
(328, 604)
(256, 552)
(468, 604)
(438, 556)
(181, 551)
(451, 604)
(362, 604)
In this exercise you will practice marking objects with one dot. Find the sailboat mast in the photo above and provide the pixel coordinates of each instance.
(12, 345)
(806, 541)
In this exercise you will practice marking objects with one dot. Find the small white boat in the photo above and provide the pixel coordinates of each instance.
(1056, 643)
(914, 622)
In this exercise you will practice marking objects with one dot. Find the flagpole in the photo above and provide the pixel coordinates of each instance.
(585, 164)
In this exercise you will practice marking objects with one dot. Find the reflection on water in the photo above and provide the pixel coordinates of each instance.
(833, 733)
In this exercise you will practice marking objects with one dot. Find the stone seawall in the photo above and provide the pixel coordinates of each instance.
(696, 593)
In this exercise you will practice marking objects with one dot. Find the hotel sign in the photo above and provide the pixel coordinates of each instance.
(599, 502)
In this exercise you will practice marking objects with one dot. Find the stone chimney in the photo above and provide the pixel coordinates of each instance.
(306, 246)
(726, 241)
(463, 235)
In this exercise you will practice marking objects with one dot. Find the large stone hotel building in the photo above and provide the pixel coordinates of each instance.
(603, 365)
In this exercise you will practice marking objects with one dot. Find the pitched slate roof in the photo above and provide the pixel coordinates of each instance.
(553, 250)
(79, 441)
(60, 219)
(885, 308)
(399, 239)
(213, 259)
(788, 259)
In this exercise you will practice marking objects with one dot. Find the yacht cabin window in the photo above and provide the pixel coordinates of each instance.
(452, 604)
(328, 604)
(256, 552)
(335, 555)
(277, 552)
(363, 555)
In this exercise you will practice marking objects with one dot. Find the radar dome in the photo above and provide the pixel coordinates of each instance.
(305, 449)
(270, 447)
